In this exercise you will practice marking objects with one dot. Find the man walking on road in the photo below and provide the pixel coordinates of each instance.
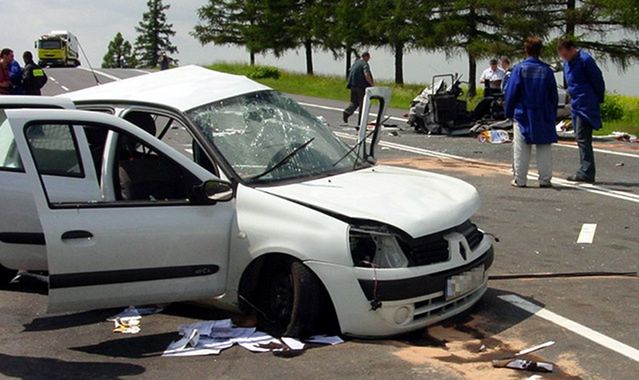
(587, 90)
(33, 78)
(531, 99)
(6, 57)
(359, 78)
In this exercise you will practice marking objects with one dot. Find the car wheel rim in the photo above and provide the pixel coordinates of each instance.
(281, 297)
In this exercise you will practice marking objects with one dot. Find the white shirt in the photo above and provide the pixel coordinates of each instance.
(493, 76)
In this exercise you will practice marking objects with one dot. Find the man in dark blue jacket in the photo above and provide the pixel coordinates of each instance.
(587, 89)
(531, 100)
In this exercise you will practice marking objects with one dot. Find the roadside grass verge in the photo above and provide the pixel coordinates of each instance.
(334, 87)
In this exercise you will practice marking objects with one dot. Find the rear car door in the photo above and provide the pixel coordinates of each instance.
(151, 245)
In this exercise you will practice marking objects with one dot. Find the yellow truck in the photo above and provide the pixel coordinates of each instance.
(58, 48)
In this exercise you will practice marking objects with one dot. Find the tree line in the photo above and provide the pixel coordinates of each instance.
(474, 28)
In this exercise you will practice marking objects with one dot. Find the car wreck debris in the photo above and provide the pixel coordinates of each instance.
(524, 365)
(127, 325)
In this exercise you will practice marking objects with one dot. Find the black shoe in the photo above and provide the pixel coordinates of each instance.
(576, 178)
(345, 116)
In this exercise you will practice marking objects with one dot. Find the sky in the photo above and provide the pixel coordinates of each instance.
(95, 23)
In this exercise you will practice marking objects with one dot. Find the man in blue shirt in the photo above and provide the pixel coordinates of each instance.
(587, 89)
(531, 100)
(359, 78)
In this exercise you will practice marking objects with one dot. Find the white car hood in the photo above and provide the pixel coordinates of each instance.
(417, 202)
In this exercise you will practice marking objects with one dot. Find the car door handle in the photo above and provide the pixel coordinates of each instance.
(78, 234)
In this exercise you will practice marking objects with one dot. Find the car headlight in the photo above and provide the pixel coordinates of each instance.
(373, 246)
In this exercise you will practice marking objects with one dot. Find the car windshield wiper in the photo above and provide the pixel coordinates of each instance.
(283, 161)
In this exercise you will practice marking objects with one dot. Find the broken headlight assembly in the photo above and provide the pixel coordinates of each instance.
(376, 247)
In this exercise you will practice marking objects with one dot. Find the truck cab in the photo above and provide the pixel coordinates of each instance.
(58, 48)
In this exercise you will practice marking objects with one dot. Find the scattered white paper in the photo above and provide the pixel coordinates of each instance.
(211, 337)
(325, 339)
(293, 343)
(587, 234)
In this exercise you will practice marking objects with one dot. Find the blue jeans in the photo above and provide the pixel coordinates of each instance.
(583, 133)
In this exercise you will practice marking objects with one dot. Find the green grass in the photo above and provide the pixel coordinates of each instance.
(334, 87)
(321, 86)
(629, 122)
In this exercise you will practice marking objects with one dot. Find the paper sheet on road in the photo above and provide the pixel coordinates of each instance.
(211, 337)
(324, 339)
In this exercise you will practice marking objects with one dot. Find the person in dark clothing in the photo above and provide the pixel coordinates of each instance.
(165, 61)
(6, 57)
(33, 77)
(359, 78)
(587, 90)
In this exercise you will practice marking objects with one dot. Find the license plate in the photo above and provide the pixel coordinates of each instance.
(460, 284)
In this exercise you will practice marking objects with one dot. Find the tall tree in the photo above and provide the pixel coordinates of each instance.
(119, 54)
(154, 34)
(226, 22)
(346, 31)
(485, 28)
(397, 24)
(609, 28)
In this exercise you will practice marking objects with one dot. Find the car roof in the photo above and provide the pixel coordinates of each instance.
(182, 88)
(35, 102)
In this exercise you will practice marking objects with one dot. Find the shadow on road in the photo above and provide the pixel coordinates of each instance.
(133, 348)
(64, 321)
(28, 368)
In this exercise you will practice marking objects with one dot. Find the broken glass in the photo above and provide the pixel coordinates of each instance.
(255, 132)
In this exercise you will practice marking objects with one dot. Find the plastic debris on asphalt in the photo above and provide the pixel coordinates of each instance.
(494, 137)
(211, 337)
(535, 348)
(523, 365)
(127, 325)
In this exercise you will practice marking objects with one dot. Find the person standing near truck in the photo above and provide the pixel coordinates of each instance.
(6, 57)
(359, 79)
(33, 77)
(531, 100)
(587, 90)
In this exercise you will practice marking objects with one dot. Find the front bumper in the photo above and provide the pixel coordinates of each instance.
(409, 298)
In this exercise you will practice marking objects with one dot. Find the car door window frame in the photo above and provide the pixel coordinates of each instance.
(76, 146)
(108, 203)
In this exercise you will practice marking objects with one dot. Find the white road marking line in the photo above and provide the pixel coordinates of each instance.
(604, 151)
(559, 182)
(341, 110)
(577, 328)
(106, 75)
(141, 71)
(65, 88)
(188, 150)
(587, 234)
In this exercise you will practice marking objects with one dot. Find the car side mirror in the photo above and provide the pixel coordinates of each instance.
(212, 191)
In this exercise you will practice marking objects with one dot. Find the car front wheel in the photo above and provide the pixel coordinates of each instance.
(290, 295)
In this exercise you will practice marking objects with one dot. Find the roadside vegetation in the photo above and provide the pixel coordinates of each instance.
(621, 113)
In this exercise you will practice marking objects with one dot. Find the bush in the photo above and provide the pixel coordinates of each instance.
(612, 109)
(264, 72)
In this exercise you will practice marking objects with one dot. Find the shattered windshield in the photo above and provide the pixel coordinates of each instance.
(267, 137)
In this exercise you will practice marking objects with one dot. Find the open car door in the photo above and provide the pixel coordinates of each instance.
(369, 138)
(164, 235)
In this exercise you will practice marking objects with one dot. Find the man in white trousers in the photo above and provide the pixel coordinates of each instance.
(531, 100)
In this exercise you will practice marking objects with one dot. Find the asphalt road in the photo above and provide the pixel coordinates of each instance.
(593, 319)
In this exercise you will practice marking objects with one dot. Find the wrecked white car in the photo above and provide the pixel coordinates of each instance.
(190, 184)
